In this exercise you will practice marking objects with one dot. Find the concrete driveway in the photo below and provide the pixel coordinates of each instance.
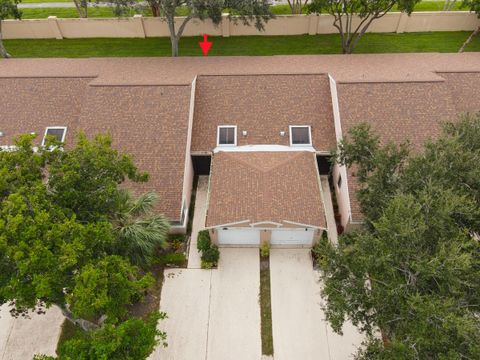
(299, 327)
(21, 338)
(213, 314)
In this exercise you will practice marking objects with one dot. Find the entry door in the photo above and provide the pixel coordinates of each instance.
(292, 237)
(239, 236)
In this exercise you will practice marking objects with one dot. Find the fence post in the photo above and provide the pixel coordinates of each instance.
(52, 22)
(225, 25)
(140, 30)
(313, 24)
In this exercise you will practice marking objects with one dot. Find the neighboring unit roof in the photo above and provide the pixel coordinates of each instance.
(265, 186)
(263, 106)
(148, 122)
(30, 105)
(405, 111)
(151, 124)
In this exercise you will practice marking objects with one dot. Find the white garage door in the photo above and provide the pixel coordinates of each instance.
(292, 237)
(239, 236)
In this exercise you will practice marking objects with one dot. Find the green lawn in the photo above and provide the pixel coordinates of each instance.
(41, 13)
(241, 45)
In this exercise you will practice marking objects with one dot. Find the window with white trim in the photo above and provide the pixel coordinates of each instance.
(58, 132)
(227, 135)
(300, 135)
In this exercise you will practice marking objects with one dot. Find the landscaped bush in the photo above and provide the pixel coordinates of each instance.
(132, 339)
(176, 241)
(265, 250)
(204, 242)
(209, 251)
(175, 259)
(321, 250)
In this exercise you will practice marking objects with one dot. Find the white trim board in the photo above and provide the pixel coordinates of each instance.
(264, 148)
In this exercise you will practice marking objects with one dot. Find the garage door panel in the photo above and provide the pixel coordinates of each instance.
(240, 237)
(292, 237)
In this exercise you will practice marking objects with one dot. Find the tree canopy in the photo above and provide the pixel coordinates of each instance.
(412, 274)
(247, 11)
(59, 240)
(473, 6)
(8, 8)
(352, 18)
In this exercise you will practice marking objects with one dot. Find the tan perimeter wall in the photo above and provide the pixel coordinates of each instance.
(140, 27)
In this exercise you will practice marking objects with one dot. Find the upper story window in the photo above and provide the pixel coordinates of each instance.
(227, 135)
(58, 132)
(300, 135)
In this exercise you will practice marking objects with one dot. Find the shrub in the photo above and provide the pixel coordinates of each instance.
(206, 265)
(203, 242)
(132, 339)
(265, 249)
(321, 250)
(211, 255)
(177, 259)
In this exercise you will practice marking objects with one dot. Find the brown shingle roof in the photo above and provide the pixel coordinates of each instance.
(30, 105)
(181, 71)
(151, 124)
(263, 105)
(148, 122)
(132, 98)
(265, 186)
(405, 111)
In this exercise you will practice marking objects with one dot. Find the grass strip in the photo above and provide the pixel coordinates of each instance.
(240, 45)
(266, 307)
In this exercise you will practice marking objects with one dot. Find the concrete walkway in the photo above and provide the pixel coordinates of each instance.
(299, 327)
(213, 314)
(200, 213)
(329, 213)
(22, 338)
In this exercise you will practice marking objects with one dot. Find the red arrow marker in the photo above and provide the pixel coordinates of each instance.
(205, 45)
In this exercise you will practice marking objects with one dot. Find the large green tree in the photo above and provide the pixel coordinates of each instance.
(133, 339)
(8, 9)
(58, 242)
(412, 274)
(248, 11)
(352, 18)
(473, 6)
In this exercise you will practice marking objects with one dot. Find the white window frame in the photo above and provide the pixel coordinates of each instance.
(218, 135)
(300, 126)
(64, 128)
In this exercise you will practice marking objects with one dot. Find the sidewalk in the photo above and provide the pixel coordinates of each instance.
(199, 216)
(21, 338)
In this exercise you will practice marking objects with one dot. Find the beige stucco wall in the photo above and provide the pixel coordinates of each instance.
(140, 27)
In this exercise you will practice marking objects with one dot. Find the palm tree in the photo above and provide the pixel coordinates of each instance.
(140, 231)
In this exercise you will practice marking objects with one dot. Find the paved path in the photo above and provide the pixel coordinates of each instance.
(234, 328)
(198, 224)
(21, 338)
(329, 214)
(213, 314)
(186, 300)
(299, 327)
